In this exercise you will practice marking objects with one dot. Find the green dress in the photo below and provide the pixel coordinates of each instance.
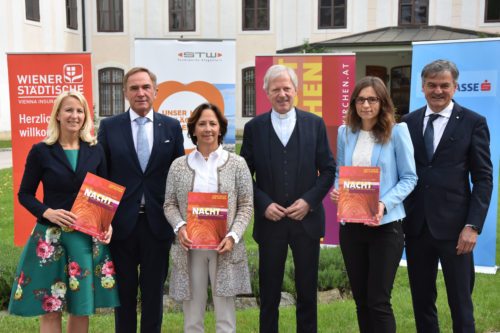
(61, 269)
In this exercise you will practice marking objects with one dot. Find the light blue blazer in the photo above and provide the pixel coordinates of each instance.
(398, 175)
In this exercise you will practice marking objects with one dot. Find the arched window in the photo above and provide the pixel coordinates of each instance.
(111, 100)
(248, 84)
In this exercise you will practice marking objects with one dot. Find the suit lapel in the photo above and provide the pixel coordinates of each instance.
(351, 139)
(83, 156)
(157, 128)
(300, 124)
(58, 153)
(377, 148)
(455, 117)
(265, 135)
(416, 128)
(128, 139)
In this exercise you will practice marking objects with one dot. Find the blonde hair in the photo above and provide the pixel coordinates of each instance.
(53, 130)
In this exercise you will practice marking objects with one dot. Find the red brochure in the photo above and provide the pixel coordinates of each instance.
(358, 194)
(96, 204)
(206, 219)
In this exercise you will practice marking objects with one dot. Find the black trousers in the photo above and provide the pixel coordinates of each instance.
(423, 253)
(272, 256)
(141, 261)
(372, 256)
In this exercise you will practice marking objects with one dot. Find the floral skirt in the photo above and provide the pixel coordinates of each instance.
(63, 270)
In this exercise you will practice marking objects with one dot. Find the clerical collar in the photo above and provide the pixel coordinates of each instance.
(290, 114)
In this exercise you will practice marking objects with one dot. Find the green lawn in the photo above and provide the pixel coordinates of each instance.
(336, 317)
(5, 143)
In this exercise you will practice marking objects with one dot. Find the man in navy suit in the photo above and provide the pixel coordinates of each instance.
(139, 159)
(287, 150)
(443, 214)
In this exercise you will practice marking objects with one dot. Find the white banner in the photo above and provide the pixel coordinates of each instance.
(190, 73)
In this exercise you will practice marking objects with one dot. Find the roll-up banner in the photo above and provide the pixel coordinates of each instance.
(478, 62)
(324, 88)
(35, 80)
(191, 72)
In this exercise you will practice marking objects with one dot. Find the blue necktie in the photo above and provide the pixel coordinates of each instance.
(429, 136)
(143, 151)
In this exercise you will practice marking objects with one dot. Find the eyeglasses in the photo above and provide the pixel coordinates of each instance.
(362, 100)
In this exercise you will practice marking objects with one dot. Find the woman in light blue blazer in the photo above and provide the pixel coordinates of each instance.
(372, 251)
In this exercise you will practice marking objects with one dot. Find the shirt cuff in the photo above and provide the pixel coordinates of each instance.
(178, 226)
(473, 227)
(235, 237)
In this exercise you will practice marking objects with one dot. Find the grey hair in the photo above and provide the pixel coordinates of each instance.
(439, 66)
(277, 71)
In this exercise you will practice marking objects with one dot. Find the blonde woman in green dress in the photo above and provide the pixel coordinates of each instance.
(61, 269)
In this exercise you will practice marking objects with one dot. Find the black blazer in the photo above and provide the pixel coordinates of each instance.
(316, 168)
(48, 164)
(115, 135)
(443, 196)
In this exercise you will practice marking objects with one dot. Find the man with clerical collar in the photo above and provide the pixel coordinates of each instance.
(287, 151)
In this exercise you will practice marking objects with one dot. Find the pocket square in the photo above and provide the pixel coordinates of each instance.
(167, 141)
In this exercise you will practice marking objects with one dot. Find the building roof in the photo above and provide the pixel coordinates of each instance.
(396, 36)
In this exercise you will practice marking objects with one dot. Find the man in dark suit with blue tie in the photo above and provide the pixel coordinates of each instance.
(287, 150)
(443, 214)
(140, 145)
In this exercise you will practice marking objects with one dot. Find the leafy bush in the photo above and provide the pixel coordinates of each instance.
(332, 273)
(253, 266)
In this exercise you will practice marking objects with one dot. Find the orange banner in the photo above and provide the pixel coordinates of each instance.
(34, 81)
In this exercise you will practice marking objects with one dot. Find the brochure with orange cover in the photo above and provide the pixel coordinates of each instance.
(206, 219)
(359, 189)
(96, 204)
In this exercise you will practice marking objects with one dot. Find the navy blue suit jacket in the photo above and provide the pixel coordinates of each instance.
(48, 164)
(115, 135)
(316, 168)
(443, 196)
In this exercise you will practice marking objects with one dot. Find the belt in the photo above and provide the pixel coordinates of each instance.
(142, 209)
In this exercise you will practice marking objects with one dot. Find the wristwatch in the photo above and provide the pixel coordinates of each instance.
(473, 227)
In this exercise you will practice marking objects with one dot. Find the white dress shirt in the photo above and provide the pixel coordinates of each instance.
(439, 123)
(206, 176)
(362, 154)
(148, 127)
(284, 124)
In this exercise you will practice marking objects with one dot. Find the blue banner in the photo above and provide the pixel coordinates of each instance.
(478, 61)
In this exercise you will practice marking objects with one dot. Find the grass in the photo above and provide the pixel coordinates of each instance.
(5, 144)
(335, 317)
